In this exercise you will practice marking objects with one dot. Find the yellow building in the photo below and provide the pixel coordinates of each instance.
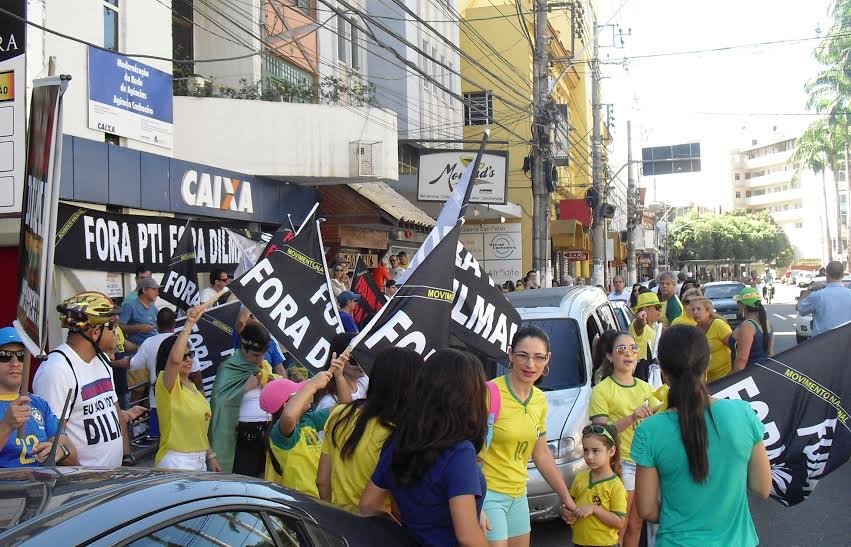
(492, 32)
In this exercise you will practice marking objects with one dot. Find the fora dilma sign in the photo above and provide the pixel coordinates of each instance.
(200, 189)
(439, 172)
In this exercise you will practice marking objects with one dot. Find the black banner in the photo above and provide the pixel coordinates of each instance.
(481, 315)
(180, 282)
(417, 316)
(95, 240)
(287, 291)
(212, 339)
(801, 395)
(371, 298)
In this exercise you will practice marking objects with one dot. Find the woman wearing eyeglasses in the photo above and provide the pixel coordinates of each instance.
(622, 400)
(183, 411)
(519, 433)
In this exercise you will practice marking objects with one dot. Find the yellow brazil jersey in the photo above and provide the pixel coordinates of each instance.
(645, 341)
(609, 494)
(515, 433)
(615, 401)
(184, 415)
(684, 320)
(720, 359)
(349, 477)
(298, 454)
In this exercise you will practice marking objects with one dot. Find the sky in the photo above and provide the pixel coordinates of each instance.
(686, 98)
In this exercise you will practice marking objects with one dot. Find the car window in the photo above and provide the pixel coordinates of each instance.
(226, 529)
(604, 314)
(593, 329)
(567, 366)
(623, 319)
(714, 292)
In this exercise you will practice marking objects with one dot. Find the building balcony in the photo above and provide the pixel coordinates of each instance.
(779, 177)
(295, 142)
(778, 158)
(770, 198)
(788, 216)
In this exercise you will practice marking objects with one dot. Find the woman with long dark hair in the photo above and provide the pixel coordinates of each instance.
(429, 464)
(355, 433)
(701, 453)
(753, 340)
(633, 296)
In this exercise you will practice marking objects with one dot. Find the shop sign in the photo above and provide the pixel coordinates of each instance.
(497, 247)
(95, 240)
(363, 238)
(216, 192)
(576, 255)
(439, 172)
(370, 259)
(130, 99)
(13, 102)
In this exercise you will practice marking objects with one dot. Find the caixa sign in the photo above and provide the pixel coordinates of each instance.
(201, 189)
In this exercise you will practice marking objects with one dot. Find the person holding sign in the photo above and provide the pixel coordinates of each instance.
(26, 414)
(184, 412)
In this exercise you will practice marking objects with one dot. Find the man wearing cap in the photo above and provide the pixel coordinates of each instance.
(32, 446)
(142, 272)
(138, 319)
(348, 301)
(644, 327)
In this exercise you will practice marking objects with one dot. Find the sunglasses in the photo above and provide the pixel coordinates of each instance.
(597, 429)
(658, 307)
(6, 356)
(189, 355)
(623, 347)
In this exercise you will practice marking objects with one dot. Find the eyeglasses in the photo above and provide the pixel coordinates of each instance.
(224, 280)
(658, 307)
(623, 347)
(6, 356)
(189, 355)
(597, 429)
(538, 359)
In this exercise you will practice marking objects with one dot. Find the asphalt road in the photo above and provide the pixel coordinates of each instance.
(822, 520)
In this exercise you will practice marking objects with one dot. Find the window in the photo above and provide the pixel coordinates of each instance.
(444, 76)
(426, 82)
(232, 528)
(748, 194)
(478, 108)
(436, 70)
(738, 195)
(569, 369)
(606, 318)
(280, 71)
(342, 51)
(738, 176)
(302, 5)
(182, 40)
(355, 49)
(110, 24)
(799, 225)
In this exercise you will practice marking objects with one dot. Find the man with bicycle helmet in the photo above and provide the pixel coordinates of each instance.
(81, 366)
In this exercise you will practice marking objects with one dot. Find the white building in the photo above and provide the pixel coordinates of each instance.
(763, 178)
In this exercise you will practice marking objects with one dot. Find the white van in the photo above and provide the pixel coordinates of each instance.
(573, 317)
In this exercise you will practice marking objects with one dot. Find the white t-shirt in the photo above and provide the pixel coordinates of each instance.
(146, 357)
(249, 407)
(360, 393)
(623, 296)
(93, 426)
(396, 273)
(207, 294)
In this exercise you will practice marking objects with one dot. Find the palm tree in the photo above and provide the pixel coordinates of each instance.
(813, 152)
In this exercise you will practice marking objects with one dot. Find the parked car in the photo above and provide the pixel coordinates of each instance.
(804, 323)
(721, 294)
(145, 507)
(804, 278)
(573, 317)
(623, 314)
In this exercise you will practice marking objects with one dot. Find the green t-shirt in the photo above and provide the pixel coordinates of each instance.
(714, 513)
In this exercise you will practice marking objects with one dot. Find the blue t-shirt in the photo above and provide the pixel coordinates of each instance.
(714, 513)
(135, 313)
(42, 425)
(348, 321)
(425, 506)
(273, 355)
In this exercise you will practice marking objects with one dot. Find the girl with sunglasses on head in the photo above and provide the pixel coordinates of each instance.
(183, 411)
(622, 400)
(601, 500)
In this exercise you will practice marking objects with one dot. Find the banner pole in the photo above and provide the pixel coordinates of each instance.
(213, 299)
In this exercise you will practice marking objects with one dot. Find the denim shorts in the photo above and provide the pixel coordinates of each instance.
(508, 516)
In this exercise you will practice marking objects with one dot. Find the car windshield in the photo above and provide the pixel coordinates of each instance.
(567, 365)
(715, 292)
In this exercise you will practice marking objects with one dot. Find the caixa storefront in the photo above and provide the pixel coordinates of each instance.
(121, 208)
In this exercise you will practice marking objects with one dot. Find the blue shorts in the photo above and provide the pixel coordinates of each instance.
(508, 516)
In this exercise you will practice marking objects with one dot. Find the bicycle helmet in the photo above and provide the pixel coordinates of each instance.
(87, 309)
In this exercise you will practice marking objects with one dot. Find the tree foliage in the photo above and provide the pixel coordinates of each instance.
(737, 235)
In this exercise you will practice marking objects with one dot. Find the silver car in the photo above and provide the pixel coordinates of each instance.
(573, 317)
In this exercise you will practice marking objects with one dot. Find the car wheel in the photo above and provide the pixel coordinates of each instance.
(800, 339)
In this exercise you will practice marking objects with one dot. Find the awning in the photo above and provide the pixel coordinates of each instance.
(393, 203)
(567, 235)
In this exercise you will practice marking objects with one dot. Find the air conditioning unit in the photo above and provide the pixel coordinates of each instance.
(365, 157)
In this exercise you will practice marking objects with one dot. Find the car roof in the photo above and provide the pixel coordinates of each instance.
(34, 500)
(717, 283)
(556, 297)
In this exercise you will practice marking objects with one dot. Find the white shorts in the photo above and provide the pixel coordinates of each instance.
(185, 461)
(627, 475)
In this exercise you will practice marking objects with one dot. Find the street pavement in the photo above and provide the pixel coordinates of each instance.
(822, 520)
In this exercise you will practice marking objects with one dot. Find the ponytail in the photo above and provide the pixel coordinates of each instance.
(615, 461)
(684, 358)
(763, 322)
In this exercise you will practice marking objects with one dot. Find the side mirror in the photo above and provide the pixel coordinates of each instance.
(797, 298)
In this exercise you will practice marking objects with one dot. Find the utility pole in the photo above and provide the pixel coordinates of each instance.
(599, 242)
(540, 146)
(631, 210)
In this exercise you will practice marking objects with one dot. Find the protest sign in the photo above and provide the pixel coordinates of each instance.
(801, 396)
(180, 282)
(371, 298)
(288, 292)
(212, 338)
(417, 317)
(38, 213)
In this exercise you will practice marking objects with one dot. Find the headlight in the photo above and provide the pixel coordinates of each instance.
(565, 448)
